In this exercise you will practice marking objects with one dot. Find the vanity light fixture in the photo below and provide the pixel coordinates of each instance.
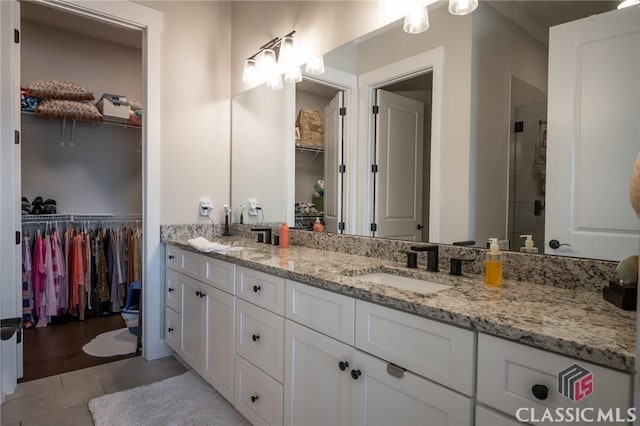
(628, 3)
(315, 65)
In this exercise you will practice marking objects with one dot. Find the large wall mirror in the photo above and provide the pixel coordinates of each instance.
(455, 150)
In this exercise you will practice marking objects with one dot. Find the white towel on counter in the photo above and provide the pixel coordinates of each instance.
(206, 246)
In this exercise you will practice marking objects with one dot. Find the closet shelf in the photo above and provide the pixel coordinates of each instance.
(79, 217)
(95, 123)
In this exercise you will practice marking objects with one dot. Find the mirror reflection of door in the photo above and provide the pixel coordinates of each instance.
(316, 161)
(402, 157)
(527, 164)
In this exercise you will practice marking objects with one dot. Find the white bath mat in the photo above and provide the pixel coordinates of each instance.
(111, 343)
(180, 400)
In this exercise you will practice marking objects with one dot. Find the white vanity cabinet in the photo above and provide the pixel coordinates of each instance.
(199, 317)
(329, 381)
(521, 381)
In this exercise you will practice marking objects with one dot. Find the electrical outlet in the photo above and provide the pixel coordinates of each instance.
(206, 207)
(253, 207)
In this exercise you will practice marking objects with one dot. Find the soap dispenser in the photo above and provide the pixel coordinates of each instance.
(493, 265)
(528, 245)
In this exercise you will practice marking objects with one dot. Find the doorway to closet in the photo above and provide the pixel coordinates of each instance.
(82, 185)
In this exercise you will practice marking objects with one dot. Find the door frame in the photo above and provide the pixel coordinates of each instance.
(150, 22)
(429, 61)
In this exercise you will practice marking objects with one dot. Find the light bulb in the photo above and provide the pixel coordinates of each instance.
(287, 51)
(250, 71)
(417, 20)
(462, 7)
(293, 75)
(268, 63)
(315, 65)
(628, 3)
(275, 82)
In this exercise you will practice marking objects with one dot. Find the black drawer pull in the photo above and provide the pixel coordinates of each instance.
(254, 398)
(256, 288)
(355, 374)
(541, 392)
(170, 329)
(171, 257)
(171, 289)
(198, 293)
(343, 365)
(255, 337)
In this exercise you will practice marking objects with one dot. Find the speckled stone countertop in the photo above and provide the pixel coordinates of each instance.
(578, 324)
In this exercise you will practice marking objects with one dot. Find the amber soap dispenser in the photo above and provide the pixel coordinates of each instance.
(493, 265)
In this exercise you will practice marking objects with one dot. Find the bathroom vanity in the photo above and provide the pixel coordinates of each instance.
(300, 336)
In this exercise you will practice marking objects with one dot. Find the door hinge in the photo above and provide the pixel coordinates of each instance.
(16, 137)
(342, 168)
(16, 35)
(376, 109)
(341, 226)
(18, 238)
(374, 168)
(343, 111)
(374, 227)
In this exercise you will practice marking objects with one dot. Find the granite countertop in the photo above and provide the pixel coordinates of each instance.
(578, 324)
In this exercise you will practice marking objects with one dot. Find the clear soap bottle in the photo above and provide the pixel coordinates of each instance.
(493, 265)
(528, 245)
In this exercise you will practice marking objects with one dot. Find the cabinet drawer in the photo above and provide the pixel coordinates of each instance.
(261, 289)
(172, 258)
(437, 351)
(394, 397)
(508, 371)
(173, 293)
(219, 274)
(260, 338)
(258, 396)
(172, 329)
(488, 417)
(329, 313)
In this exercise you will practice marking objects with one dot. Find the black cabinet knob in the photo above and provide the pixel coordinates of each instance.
(203, 294)
(255, 337)
(171, 289)
(171, 257)
(256, 288)
(541, 392)
(355, 374)
(343, 365)
(169, 329)
(198, 293)
(254, 398)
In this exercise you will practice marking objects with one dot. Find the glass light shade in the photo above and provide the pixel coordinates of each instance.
(287, 51)
(250, 71)
(462, 7)
(315, 65)
(268, 64)
(275, 82)
(390, 10)
(417, 20)
(293, 75)
(628, 3)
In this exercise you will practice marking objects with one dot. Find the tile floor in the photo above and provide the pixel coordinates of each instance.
(62, 399)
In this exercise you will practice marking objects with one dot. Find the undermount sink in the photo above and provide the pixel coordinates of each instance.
(239, 248)
(404, 283)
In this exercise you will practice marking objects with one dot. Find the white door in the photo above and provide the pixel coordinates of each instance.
(10, 252)
(219, 328)
(386, 395)
(332, 160)
(317, 390)
(593, 135)
(398, 182)
(192, 323)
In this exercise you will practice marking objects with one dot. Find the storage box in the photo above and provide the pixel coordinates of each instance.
(311, 128)
(113, 107)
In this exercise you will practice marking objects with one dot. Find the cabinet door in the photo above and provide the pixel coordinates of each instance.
(317, 391)
(219, 331)
(192, 316)
(172, 290)
(383, 398)
(172, 328)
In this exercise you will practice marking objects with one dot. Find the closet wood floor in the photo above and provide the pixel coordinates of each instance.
(57, 348)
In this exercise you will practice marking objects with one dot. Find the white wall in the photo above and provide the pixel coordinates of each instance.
(500, 50)
(195, 108)
(102, 173)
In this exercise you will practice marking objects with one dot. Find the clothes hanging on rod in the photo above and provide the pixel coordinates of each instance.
(78, 269)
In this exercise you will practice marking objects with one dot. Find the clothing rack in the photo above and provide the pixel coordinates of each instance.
(98, 218)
